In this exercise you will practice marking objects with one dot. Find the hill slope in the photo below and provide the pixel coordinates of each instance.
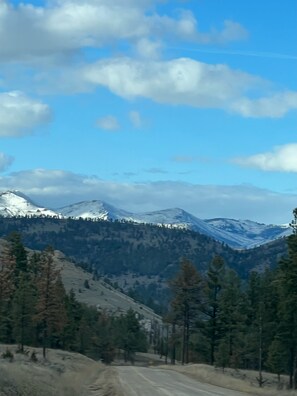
(115, 248)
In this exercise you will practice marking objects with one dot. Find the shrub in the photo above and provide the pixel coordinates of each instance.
(7, 355)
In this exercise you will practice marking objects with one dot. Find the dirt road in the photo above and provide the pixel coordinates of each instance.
(141, 381)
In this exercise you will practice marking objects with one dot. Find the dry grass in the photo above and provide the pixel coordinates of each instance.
(99, 293)
(240, 380)
(61, 374)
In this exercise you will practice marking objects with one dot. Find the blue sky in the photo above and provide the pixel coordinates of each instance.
(151, 104)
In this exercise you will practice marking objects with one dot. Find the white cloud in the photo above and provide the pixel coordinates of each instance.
(28, 32)
(5, 161)
(275, 106)
(282, 159)
(135, 119)
(178, 81)
(21, 115)
(109, 123)
(55, 188)
(183, 81)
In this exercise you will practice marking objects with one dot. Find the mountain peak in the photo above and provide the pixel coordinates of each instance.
(14, 203)
(94, 209)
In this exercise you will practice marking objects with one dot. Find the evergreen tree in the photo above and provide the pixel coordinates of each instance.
(232, 320)
(104, 338)
(129, 336)
(74, 313)
(215, 280)
(23, 310)
(187, 293)
(277, 360)
(48, 308)
(18, 251)
(7, 288)
(287, 309)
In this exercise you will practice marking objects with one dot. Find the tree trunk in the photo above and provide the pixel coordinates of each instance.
(173, 357)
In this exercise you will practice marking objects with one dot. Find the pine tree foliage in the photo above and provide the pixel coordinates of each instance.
(50, 313)
(186, 288)
(215, 283)
(287, 309)
(7, 288)
(232, 318)
(24, 300)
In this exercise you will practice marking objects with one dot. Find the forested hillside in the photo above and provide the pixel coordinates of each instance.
(115, 248)
(36, 310)
(217, 318)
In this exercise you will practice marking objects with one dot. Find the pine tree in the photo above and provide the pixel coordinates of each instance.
(277, 360)
(232, 320)
(187, 291)
(74, 312)
(7, 288)
(23, 310)
(18, 251)
(104, 338)
(287, 309)
(49, 316)
(129, 336)
(215, 281)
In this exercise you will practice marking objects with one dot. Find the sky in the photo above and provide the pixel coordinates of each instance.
(151, 104)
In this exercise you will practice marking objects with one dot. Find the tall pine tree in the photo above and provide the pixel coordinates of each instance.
(187, 295)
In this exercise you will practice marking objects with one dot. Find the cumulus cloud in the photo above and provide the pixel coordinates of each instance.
(28, 31)
(5, 161)
(178, 81)
(55, 188)
(108, 123)
(21, 115)
(185, 81)
(281, 159)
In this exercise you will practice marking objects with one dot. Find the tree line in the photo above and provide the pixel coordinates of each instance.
(218, 319)
(35, 310)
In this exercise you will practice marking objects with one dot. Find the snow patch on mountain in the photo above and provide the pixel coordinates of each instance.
(14, 203)
(250, 232)
(93, 210)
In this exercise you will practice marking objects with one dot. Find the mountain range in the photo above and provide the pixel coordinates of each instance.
(238, 234)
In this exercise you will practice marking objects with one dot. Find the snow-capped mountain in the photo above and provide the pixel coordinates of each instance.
(94, 210)
(249, 233)
(239, 234)
(14, 203)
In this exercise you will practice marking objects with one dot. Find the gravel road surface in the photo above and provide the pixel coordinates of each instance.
(141, 381)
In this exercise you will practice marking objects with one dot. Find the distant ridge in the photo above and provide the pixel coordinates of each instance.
(238, 234)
